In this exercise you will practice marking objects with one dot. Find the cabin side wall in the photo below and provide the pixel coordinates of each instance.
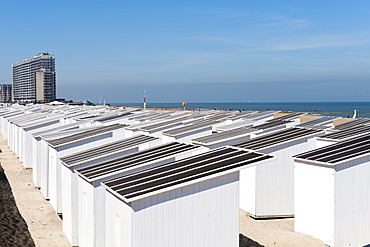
(352, 197)
(275, 181)
(118, 221)
(314, 201)
(86, 210)
(248, 190)
(201, 214)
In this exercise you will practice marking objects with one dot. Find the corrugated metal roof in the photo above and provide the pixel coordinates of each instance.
(239, 115)
(64, 133)
(347, 133)
(225, 135)
(318, 121)
(276, 138)
(219, 116)
(289, 116)
(112, 147)
(59, 128)
(150, 115)
(141, 125)
(135, 159)
(339, 152)
(316, 127)
(114, 117)
(164, 123)
(87, 134)
(353, 123)
(261, 115)
(243, 123)
(190, 128)
(202, 166)
(272, 124)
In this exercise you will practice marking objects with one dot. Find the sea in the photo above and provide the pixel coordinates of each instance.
(339, 109)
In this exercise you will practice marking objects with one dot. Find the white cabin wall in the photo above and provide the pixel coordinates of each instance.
(44, 168)
(118, 221)
(69, 203)
(275, 180)
(99, 215)
(201, 214)
(36, 153)
(54, 173)
(352, 200)
(314, 201)
(248, 190)
(86, 211)
(322, 143)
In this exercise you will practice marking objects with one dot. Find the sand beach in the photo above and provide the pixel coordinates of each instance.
(27, 219)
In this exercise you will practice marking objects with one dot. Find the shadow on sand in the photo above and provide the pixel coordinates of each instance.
(13, 228)
(247, 242)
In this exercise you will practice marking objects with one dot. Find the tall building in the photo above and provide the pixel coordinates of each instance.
(34, 78)
(5, 93)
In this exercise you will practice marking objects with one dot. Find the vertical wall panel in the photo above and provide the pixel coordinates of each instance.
(197, 223)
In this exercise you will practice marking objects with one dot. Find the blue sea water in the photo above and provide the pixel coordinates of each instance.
(340, 109)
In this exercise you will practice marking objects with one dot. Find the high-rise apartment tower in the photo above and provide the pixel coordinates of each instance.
(34, 78)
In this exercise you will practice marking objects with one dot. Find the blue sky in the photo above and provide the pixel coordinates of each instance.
(195, 51)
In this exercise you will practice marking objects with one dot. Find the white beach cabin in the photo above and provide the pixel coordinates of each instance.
(91, 198)
(73, 144)
(332, 193)
(267, 191)
(86, 158)
(190, 202)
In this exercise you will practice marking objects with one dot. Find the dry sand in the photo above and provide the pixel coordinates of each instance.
(275, 232)
(45, 227)
(43, 223)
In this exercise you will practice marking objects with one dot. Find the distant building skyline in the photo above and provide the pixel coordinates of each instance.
(34, 78)
(6, 93)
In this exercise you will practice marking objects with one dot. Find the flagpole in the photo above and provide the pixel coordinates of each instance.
(144, 100)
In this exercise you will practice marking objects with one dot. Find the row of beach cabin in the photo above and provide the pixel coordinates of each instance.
(125, 177)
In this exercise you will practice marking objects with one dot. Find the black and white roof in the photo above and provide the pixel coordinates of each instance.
(353, 123)
(152, 115)
(239, 115)
(289, 116)
(339, 152)
(113, 147)
(347, 133)
(276, 138)
(190, 128)
(84, 135)
(261, 115)
(39, 122)
(183, 172)
(130, 161)
(272, 124)
(75, 125)
(236, 125)
(318, 121)
(168, 122)
(113, 117)
(223, 136)
(219, 116)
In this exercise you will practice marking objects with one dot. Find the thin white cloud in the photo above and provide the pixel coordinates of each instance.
(302, 42)
(221, 12)
(280, 20)
(281, 58)
(319, 41)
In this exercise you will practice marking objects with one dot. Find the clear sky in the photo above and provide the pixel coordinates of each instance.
(194, 51)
